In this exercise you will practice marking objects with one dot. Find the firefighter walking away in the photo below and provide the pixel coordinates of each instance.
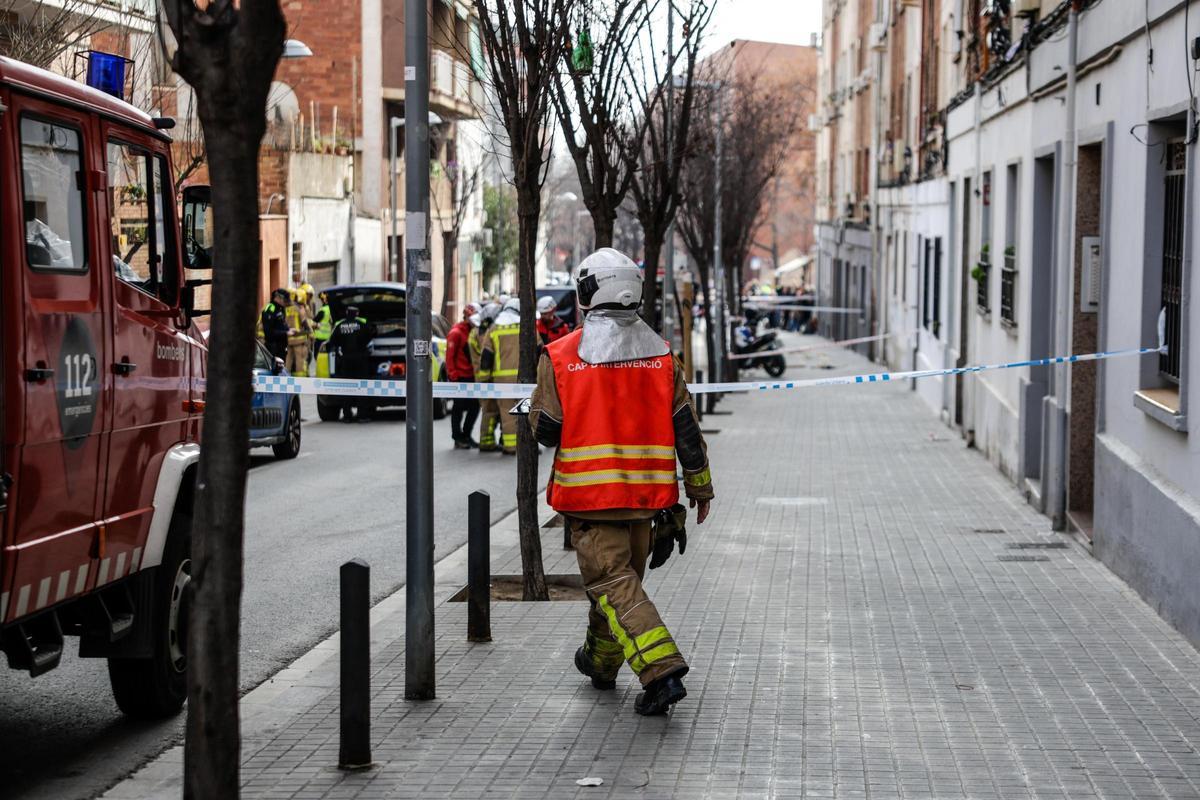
(613, 402)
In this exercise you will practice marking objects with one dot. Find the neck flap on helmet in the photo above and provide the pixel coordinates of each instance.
(612, 335)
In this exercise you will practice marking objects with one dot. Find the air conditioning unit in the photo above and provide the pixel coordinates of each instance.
(1027, 8)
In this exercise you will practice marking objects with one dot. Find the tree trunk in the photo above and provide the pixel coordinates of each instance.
(212, 753)
(449, 286)
(533, 573)
(603, 223)
(710, 340)
(652, 247)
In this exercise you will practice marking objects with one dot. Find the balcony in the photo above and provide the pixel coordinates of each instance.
(453, 89)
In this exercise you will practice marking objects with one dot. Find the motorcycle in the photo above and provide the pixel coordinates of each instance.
(763, 346)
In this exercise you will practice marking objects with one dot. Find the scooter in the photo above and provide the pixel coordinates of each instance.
(764, 346)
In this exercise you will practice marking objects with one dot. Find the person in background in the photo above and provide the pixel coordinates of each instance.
(299, 329)
(351, 339)
(323, 322)
(490, 408)
(460, 368)
(550, 328)
(273, 324)
(498, 364)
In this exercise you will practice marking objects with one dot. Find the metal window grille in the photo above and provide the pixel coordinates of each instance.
(982, 298)
(1008, 290)
(1172, 259)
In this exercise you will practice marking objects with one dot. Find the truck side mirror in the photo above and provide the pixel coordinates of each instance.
(197, 227)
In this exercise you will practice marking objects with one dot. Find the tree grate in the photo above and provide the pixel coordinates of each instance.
(1038, 546)
(1022, 558)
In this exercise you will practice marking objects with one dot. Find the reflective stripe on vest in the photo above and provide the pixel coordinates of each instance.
(498, 332)
(618, 440)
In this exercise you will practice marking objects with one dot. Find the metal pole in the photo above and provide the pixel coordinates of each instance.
(718, 266)
(419, 679)
(394, 245)
(355, 746)
(668, 293)
(479, 568)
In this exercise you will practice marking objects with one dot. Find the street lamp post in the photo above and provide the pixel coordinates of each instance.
(419, 676)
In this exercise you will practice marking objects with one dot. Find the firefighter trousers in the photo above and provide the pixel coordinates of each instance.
(490, 424)
(623, 624)
(297, 359)
(508, 427)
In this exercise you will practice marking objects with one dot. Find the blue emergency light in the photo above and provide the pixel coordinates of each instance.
(106, 72)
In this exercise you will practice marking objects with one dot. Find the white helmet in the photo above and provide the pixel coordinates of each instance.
(490, 311)
(608, 279)
(512, 304)
(546, 304)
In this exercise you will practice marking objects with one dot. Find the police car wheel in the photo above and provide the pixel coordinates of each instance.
(328, 412)
(290, 446)
(156, 687)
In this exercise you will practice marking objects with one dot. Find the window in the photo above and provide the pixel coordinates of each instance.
(52, 207)
(1008, 271)
(983, 270)
(937, 287)
(141, 225)
(1170, 320)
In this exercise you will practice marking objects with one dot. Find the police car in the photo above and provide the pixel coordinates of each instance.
(274, 417)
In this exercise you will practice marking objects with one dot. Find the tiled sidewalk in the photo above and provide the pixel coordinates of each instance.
(856, 627)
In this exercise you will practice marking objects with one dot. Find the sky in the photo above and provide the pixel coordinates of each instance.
(784, 21)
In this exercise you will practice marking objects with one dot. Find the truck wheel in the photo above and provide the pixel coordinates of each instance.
(328, 412)
(155, 687)
(290, 447)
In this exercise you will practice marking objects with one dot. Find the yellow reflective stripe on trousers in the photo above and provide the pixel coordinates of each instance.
(655, 477)
(644, 650)
(508, 439)
(699, 479)
(616, 451)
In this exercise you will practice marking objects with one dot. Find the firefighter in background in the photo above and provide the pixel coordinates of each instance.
(550, 328)
(489, 408)
(351, 339)
(310, 309)
(498, 364)
(460, 367)
(299, 327)
(273, 326)
(614, 403)
(322, 322)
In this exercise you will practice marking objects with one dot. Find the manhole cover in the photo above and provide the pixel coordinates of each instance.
(1022, 558)
(1038, 546)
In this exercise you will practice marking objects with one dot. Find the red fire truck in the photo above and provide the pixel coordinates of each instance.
(102, 387)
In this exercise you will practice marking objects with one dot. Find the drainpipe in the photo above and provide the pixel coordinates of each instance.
(879, 306)
(1063, 292)
(963, 358)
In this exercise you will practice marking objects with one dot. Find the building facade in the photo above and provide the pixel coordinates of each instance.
(1034, 195)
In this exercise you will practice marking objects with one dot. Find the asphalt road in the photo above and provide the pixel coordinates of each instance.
(61, 735)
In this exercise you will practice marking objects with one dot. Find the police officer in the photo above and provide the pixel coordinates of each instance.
(351, 338)
(489, 408)
(498, 361)
(323, 322)
(273, 324)
(614, 403)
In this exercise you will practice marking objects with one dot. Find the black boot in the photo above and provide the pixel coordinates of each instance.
(661, 694)
(584, 665)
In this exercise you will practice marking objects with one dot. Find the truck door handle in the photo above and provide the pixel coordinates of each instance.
(124, 367)
(39, 373)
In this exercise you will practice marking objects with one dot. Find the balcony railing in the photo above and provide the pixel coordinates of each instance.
(1008, 291)
(983, 276)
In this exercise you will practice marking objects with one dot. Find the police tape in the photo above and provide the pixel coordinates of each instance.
(811, 347)
(371, 387)
(800, 307)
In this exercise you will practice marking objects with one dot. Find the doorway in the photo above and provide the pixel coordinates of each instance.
(1085, 327)
(1041, 319)
(964, 281)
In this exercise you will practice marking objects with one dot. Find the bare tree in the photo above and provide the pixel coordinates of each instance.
(597, 107)
(756, 122)
(666, 141)
(462, 180)
(40, 32)
(522, 41)
(227, 50)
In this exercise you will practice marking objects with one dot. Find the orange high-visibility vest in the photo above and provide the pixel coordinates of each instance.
(618, 442)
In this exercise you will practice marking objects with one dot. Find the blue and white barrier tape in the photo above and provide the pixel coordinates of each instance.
(371, 387)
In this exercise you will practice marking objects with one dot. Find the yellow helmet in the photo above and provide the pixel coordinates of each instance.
(294, 294)
(308, 290)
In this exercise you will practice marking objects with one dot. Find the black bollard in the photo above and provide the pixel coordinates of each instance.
(479, 568)
(567, 535)
(700, 403)
(355, 750)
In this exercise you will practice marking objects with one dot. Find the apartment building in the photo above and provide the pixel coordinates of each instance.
(1043, 202)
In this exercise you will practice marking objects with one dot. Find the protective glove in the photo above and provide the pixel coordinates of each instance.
(669, 528)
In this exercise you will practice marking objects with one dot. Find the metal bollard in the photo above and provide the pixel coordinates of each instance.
(700, 402)
(567, 535)
(479, 568)
(355, 750)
